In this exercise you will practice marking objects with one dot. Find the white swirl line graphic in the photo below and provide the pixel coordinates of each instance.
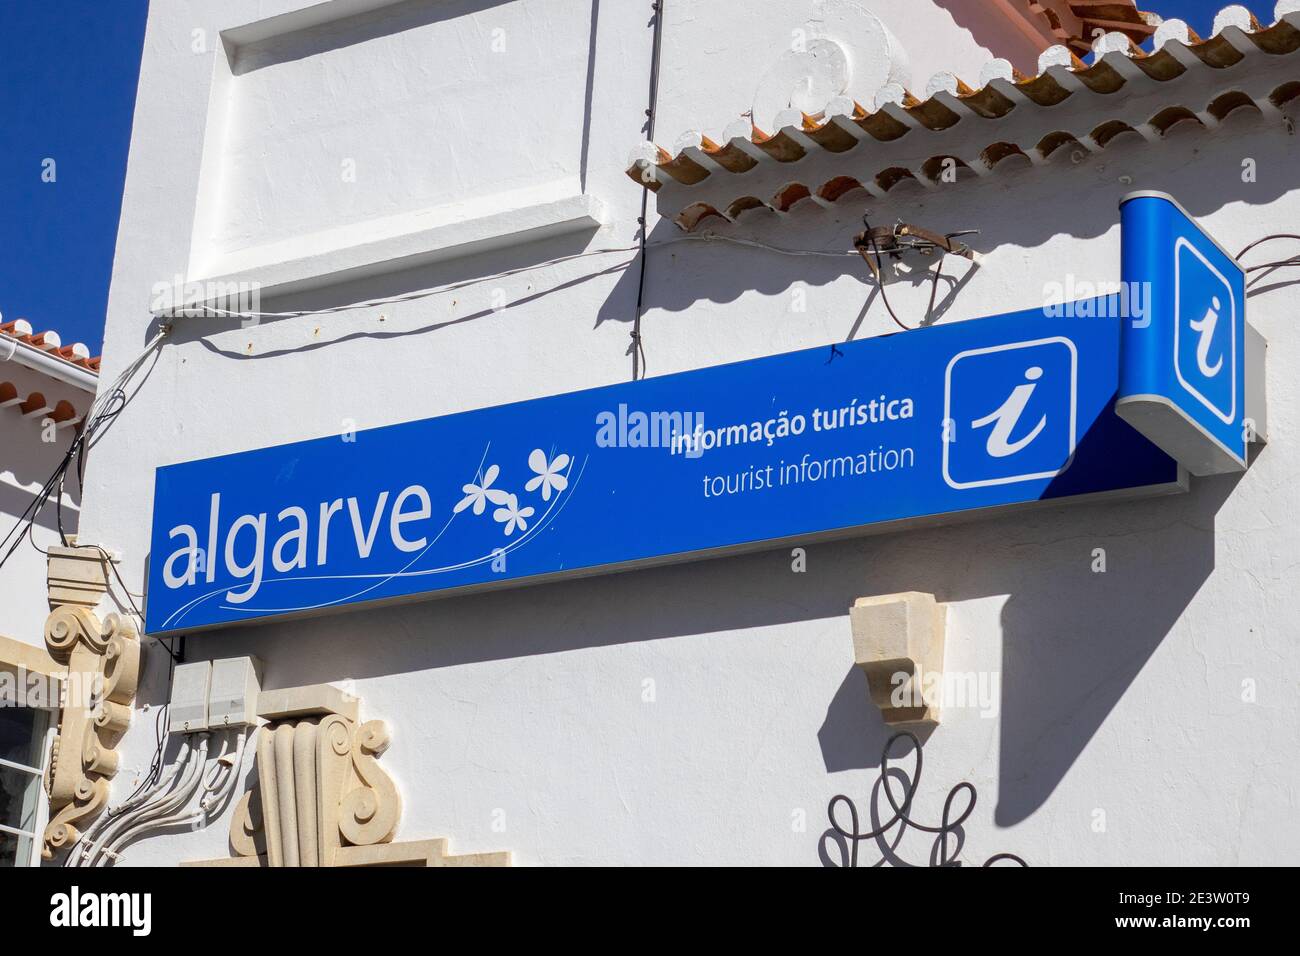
(548, 517)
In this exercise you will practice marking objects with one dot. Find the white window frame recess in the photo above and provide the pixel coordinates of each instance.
(24, 661)
(42, 818)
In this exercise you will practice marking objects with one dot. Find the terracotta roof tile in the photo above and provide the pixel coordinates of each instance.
(77, 353)
(32, 403)
(1088, 18)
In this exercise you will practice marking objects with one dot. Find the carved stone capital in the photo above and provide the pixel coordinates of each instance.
(321, 798)
(101, 661)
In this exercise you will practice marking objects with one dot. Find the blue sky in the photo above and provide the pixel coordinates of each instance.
(69, 71)
(1199, 14)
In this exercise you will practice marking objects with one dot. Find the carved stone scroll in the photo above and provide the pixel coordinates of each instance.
(322, 799)
(101, 661)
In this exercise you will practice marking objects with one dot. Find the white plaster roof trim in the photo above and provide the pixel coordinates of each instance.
(31, 403)
(902, 138)
(77, 353)
(843, 48)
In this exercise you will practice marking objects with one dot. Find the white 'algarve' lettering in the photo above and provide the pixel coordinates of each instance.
(242, 548)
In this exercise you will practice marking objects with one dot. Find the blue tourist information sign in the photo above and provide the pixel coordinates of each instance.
(918, 426)
(1183, 373)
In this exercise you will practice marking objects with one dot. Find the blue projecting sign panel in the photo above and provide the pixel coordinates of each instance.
(941, 421)
(1183, 367)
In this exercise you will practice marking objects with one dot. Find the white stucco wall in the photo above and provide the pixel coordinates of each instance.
(1120, 692)
(27, 460)
(720, 52)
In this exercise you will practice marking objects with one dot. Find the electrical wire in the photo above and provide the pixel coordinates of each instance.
(152, 779)
(638, 346)
(880, 282)
(178, 813)
(99, 416)
(103, 412)
(130, 597)
(217, 790)
(705, 237)
(87, 845)
(756, 244)
(128, 825)
(22, 526)
(168, 804)
(203, 311)
(1265, 269)
(1268, 238)
(1277, 263)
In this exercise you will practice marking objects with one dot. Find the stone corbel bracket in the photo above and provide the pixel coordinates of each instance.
(322, 799)
(101, 661)
(898, 642)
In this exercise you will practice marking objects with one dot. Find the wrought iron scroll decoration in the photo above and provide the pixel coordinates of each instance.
(948, 826)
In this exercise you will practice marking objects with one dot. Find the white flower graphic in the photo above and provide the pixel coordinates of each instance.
(548, 474)
(513, 516)
(480, 495)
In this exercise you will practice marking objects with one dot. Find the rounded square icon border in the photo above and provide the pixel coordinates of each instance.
(1074, 410)
(1178, 326)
